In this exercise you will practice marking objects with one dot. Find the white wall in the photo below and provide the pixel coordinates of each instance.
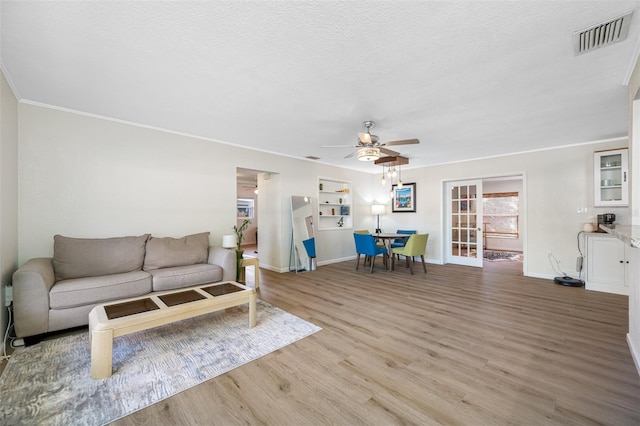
(82, 176)
(8, 191)
(633, 337)
(556, 183)
(89, 177)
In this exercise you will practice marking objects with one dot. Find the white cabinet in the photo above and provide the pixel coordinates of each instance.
(611, 178)
(334, 204)
(608, 267)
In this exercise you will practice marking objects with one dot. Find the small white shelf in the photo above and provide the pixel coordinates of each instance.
(334, 204)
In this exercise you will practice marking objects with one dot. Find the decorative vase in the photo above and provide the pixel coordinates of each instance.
(239, 254)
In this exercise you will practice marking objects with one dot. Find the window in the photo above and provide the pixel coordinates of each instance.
(500, 212)
(245, 208)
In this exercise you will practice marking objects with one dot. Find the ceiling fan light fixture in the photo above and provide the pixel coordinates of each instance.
(368, 154)
(365, 138)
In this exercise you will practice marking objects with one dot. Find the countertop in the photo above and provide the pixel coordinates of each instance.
(627, 233)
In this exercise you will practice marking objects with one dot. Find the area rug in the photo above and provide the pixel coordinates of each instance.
(500, 255)
(49, 383)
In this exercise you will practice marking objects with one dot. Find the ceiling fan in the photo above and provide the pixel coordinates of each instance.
(370, 147)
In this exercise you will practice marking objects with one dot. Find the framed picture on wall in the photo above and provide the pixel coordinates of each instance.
(404, 199)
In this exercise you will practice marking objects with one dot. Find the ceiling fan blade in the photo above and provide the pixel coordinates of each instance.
(338, 146)
(403, 142)
(389, 152)
(352, 154)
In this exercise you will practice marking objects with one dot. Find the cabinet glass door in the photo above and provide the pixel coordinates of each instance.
(611, 181)
(464, 220)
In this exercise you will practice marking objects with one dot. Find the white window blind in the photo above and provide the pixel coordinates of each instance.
(501, 212)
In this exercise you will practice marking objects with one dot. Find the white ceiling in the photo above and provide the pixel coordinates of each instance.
(469, 79)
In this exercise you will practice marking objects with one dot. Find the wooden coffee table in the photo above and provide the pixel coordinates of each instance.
(122, 317)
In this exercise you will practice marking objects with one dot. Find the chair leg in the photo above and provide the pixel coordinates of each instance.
(424, 266)
(373, 260)
(393, 262)
(410, 265)
(358, 261)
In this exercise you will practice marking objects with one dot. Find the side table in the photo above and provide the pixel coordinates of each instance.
(250, 261)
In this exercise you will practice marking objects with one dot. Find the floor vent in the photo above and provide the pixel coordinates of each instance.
(601, 35)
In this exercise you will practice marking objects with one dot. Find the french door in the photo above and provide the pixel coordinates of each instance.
(464, 223)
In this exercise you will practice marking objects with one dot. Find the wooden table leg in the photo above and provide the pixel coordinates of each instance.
(252, 310)
(256, 270)
(101, 353)
(249, 261)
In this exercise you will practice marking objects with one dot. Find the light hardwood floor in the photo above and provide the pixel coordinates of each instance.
(457, 345)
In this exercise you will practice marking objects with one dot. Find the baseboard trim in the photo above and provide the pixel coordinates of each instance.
(634, 353)
(537, 275)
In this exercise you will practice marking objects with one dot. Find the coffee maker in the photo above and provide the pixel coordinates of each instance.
(607, 220)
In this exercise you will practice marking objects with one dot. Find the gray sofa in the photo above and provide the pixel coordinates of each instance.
(51, 294)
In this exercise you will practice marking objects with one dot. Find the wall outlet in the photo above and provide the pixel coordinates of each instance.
(8, 295)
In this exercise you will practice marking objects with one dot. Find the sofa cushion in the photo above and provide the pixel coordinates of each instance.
(185, 276)
(84, 257)
(169, 252)
(85, 291)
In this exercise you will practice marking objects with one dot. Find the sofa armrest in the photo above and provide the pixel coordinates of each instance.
(31, 285)
(226, 259)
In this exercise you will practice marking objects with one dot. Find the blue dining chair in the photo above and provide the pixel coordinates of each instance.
(399, 242)
(310, 247)
(365, 244)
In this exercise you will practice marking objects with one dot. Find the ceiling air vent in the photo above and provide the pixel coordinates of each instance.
(603, 34)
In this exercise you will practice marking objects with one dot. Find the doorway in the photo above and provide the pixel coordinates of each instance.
(485, 222)
(503, 223)
(248, 208)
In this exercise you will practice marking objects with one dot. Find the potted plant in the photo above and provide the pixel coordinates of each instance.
(239, 231)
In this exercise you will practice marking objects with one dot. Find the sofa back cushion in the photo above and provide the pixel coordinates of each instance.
(169, 252)
(84, 257)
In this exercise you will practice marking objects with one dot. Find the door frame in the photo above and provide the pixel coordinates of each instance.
(525, 219)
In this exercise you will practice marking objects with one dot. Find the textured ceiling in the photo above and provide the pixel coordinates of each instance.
(469, 79)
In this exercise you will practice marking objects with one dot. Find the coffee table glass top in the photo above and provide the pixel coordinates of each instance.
(222, 289)
(181, 297)
(130, 308)
(139, 306)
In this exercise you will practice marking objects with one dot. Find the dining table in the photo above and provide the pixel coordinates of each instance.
(387, 239)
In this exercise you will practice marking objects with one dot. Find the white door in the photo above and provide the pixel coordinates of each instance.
(464, 223)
